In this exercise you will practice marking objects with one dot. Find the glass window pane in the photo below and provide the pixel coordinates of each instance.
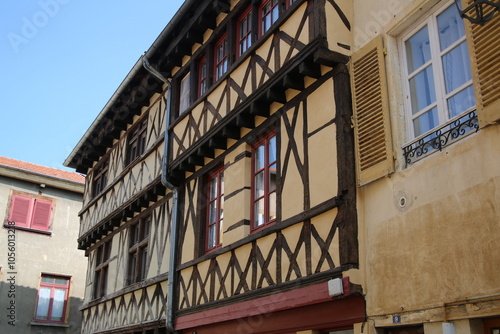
(259, 185)
(42, 310)
(144, 261)
(422, 91)
(213, 212)
(272, 177)
(418, 50)
(46, 279)
(213, 188)
(58, 305)
(221, 183)
(461, 102)
(61, 281)
(272, 149)
(185, 92)
(456, 67)
(259, 213)
(221, 214)
(450, 27)
(426, 122)
(259, 158)
(211, 236)
(272, 206)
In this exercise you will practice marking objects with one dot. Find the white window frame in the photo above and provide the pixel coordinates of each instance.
(429, 20)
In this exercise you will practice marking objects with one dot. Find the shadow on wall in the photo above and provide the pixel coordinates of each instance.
(17, 309)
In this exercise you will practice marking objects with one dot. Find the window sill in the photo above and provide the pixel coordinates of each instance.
(26, 229)
(49, 324)
(441, 137)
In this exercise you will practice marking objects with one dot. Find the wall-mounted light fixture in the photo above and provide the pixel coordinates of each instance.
(480, 11)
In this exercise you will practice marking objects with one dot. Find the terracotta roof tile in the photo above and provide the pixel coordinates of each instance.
(43, 170)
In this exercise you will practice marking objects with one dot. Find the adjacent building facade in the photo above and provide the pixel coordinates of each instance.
(298, 167)
(41, 271)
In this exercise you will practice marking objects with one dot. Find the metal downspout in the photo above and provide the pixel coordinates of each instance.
(175, 199)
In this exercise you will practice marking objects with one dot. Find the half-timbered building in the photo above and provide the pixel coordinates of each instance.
(241, 215)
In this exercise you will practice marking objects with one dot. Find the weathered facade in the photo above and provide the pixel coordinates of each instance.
(293, 167)
(41, 271)
(428, 196)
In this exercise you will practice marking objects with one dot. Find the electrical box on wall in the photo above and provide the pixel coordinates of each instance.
(335, 287)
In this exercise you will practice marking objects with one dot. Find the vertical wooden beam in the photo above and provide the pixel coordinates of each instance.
(317, 21)
(347, 214)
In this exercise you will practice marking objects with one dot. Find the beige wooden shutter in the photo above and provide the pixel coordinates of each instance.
(371, 113)
(484, 48)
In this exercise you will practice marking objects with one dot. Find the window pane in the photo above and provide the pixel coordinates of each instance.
(272, 177)
(131, 267)
(185, 92)
(259, 185)
(418, 50)
(42, 310)
(213, 212)
(456, 68)
(61, 281)
(221, 213)
(422, 91)
(259, 213)
(212, 242)
(426, 122)
(213, 188)
(272, 149)
(58, 305)
(46, 279)
(461, 102)
(259, 158)
(450, 27)
(144, 261)
(272, 206)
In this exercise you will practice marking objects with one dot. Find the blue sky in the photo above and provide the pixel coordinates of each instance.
(60, 62)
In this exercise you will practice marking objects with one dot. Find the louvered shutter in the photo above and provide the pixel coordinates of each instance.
(41, 215)
(371, 113)
(484, 47)
(20, 210)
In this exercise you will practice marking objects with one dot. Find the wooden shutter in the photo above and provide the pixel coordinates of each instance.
(41, 215)
(20, 210)
(371, 113)
(484, 48)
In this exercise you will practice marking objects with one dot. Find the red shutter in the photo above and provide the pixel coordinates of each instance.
(20, 210)
(41, 215)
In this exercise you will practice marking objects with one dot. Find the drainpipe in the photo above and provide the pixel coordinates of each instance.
(175, 199)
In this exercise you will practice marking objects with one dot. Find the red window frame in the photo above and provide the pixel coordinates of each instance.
(30, 213)
(272, 7)
(221, 57)
(202, 76)
(215, 209)
(244, 32)
(265, 195)
(52, 286)
(138, 250)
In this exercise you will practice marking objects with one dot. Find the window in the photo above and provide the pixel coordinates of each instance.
(101, 269)
(52, 299)
(268, 14)
(29, 211)
(289, 3)
(100, 178)
(221, 57)
(137, 141)
(215, 208)
(244, 32)
(437, 71)
(185, 93)
(202, 76)
(264, 170)
(138, 251)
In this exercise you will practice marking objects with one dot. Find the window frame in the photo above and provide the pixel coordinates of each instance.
(219, 201)
(29, 210)
(136, 141)
(248, 16)
(185, 92)
(103, 255)
(262, 15)
(203, 83)
(100, 178)
(436, 63)
(225, 58)
(138, 250)
(53, 287)
(264, 141)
